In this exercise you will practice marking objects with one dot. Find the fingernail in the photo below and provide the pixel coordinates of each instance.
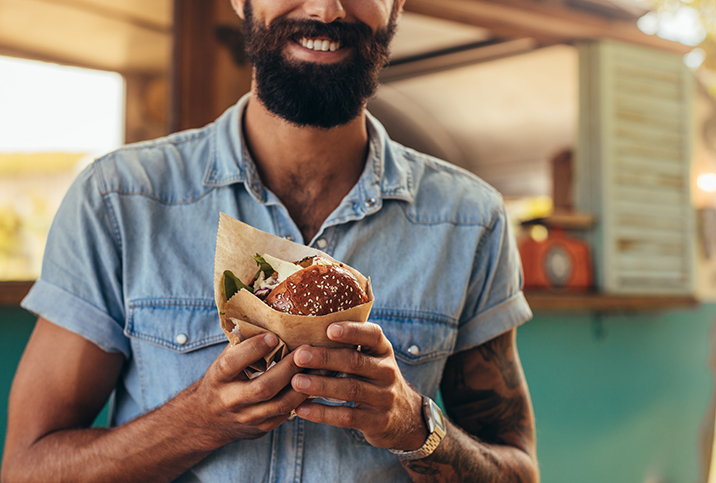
(270, 339)
(335, 331)
(303, 411)
(301, 381)
(304, 357)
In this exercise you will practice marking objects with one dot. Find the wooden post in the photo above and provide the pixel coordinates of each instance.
(205, 80)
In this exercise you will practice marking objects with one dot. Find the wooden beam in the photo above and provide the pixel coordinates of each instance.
(205, 80)
(194, 50)
(547, 23)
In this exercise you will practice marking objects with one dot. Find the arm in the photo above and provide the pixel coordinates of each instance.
(63, 381)
(493, 436)
(487, 397)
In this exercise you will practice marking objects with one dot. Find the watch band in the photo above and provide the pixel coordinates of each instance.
(436, 432)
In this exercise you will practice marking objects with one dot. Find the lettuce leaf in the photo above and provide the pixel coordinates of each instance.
(232, 284)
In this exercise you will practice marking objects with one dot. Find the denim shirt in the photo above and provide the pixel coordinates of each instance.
(129, 266)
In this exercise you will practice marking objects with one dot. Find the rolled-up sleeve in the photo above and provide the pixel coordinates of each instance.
(494, 301)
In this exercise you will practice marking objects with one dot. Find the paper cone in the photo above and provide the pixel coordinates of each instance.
(245, 315)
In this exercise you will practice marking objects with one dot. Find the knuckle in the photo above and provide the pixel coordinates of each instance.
(283, 407)
(348, 419)
(356, 360)
(226, 404)
(392, 373)
(324, 357)
(354, 390)
(245, 419)
(376, 333)
(261, 389)
(223, 367)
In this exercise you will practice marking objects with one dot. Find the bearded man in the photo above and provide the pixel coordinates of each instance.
(126, 309)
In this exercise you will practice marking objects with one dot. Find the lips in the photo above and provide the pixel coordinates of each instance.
(319, 45)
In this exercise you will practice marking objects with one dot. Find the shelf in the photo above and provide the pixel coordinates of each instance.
(11, 293)
(553, 301)
(566, 221)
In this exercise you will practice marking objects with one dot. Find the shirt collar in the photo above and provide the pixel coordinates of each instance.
(387, 174)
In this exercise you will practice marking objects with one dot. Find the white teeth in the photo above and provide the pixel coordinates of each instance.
(320, 45)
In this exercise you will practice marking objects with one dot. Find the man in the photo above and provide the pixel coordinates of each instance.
(126, 303)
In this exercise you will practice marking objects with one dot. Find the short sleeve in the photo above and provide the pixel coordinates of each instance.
(494, 302)
(80, 287)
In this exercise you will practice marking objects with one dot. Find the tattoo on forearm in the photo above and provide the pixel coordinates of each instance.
(486, 395)
(457, 464)
(496, 352)
(489, 415)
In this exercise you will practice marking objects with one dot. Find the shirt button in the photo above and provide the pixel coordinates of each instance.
(181, 339)
(371, 202)
(414, 350)
(289, 237)
(322, 243)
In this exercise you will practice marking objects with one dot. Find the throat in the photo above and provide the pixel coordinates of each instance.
(309, 210)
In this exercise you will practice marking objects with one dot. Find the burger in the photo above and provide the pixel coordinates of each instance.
(313, 286)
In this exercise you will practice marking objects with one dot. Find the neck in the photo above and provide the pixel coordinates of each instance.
(309, 169)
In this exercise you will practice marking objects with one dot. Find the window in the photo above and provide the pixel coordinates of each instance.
(53, 121)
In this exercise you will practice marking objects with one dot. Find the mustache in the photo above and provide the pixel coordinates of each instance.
(346, 33)
(355, 35)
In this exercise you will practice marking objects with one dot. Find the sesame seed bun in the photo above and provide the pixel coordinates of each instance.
(317, 290)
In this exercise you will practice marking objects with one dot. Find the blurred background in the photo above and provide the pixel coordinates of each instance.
(595, 119)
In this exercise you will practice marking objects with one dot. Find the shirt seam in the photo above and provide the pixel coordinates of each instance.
(111, 215)
(158, 199)
(172, 302)
(413, 220)
(407, 314)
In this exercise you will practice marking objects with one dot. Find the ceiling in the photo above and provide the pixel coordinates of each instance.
(498, 118)
(118, 35)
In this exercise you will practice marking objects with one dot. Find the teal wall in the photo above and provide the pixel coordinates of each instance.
(15, 328)
(618, 399)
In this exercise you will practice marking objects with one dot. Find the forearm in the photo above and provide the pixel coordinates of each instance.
(461, 458)
(158, 446)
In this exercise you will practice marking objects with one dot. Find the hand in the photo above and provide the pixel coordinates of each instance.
(235, 407)
(387, 410)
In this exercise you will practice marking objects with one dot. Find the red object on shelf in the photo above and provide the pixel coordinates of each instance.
(557, 262)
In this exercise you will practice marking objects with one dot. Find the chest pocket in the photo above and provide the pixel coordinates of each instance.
(422, 344)
(174, 341)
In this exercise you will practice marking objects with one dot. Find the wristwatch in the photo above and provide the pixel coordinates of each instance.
(436, 432)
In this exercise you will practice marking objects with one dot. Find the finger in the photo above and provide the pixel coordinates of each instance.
(339, 416)
(367, 335)
(270, 383)
(279, 406)
(236, 358)
(341, 388)
(349, 361)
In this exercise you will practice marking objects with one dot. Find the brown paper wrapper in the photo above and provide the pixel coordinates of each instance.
(245, 315)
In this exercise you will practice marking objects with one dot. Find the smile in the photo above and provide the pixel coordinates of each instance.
(319, 45)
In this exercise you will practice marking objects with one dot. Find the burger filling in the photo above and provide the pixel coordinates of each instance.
(272, 271)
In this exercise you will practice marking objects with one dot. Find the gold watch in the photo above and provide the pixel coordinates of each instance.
(436, 432)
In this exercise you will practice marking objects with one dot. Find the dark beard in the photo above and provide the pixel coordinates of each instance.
(311, 94)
